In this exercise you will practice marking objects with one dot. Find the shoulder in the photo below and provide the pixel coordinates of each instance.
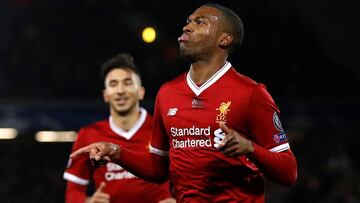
(90, 133)
(148, 116)
(173, 86)
(241, 79)
(96, 126)
(176, 82)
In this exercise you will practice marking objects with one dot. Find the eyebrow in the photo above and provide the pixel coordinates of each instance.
(116, 80)
(197, 18)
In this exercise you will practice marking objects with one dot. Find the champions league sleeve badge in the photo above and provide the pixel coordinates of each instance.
(281, 136)
(277, 122)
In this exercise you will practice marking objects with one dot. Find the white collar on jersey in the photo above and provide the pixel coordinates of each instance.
(130, 133)
(197, 90)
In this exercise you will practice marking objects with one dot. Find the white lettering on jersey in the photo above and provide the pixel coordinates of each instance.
(116, 172)
(118, 176)
(113, 167)
(192, 131)
(189, 131)
(191, 143)
(172, 111)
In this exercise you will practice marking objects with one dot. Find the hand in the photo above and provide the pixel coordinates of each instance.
(234, 144)
(99, 151)
(99, 196)
(168, 200)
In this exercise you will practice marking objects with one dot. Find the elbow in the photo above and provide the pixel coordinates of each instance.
(291, 180)
(287, 175)
(160, 177)
(159, 180)
(286, 180)
(291, 175)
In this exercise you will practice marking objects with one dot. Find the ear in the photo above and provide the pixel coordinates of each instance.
(105, 96)
(141, 93)
(225, 40)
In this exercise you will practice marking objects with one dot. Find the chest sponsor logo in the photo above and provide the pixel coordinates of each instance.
(116, 172)
(195, 137)
(223, 109)
(184, 137)
(189, 131)
(172, 111)
(219, 136)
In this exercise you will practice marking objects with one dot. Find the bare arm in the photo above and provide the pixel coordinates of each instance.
(148, 166)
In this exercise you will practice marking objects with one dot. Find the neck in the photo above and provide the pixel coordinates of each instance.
(126, 121)
(201, 71)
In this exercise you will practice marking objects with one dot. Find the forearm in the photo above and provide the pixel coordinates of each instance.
(148, 166)
(280, 167)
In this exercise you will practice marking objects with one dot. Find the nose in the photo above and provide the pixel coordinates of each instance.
(187, 28)
(120, 89)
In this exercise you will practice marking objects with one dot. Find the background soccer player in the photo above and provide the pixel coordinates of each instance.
(216, 132)
(129, 125)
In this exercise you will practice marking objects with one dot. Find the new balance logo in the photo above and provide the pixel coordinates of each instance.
(172, 111)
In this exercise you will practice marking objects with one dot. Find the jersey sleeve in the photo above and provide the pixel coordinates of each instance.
(75, 193)
(264, 123)
(159, 140)
(78, 170)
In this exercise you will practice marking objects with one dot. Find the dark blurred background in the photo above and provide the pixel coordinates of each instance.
(306, 52)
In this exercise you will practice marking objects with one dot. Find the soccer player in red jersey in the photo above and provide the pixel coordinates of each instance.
(130, 126)
(216, 132)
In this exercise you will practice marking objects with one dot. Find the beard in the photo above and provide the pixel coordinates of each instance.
(188, 54)
(194, 54)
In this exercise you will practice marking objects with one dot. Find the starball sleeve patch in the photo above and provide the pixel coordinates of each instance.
(277, 122)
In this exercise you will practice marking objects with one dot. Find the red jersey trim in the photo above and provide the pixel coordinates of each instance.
(197, 90)
(75, 179)
(129, 134)
(280, 148)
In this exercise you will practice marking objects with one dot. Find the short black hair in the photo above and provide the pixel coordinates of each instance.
(120, 61)
(232, 23)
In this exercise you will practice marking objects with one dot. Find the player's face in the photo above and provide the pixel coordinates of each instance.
(123, 91)
(201, 33)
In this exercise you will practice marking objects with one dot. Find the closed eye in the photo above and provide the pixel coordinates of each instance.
(128, 81)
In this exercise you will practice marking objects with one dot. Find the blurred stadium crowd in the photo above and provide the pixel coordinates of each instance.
(304, 51)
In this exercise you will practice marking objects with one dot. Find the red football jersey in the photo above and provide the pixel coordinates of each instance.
(121, 185)
(186, 127)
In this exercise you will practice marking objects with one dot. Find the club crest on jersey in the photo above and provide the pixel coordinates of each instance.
(277, 122)
(223, 110)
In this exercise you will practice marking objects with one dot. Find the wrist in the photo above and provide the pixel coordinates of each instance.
(250, 147)
(116, 151)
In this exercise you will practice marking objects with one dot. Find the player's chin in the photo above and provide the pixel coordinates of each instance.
(123, 109)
